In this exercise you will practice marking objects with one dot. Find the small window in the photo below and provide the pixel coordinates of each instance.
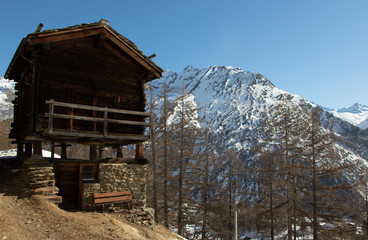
(88, 174)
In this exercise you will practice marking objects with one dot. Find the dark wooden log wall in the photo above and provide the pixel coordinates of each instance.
(84, 73)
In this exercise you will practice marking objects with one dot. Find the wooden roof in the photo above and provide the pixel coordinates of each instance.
(118, 44)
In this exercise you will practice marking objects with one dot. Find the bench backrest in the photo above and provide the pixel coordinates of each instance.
(124, 196)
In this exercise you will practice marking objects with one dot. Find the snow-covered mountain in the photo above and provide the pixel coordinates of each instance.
(357, 114)
(6, 96)
(234, 102)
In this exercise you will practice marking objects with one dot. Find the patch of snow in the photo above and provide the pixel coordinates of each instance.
(13, 153)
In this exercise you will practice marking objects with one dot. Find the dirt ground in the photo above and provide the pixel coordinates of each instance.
(34, 218)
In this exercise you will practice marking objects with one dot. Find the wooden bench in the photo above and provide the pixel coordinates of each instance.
(102, 199)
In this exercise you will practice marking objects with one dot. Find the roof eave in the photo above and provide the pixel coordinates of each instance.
(18, 52)
(92, 29)
(157, 69)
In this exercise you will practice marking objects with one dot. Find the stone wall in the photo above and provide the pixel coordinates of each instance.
(87, 195)
(114, 177)
(40, 180)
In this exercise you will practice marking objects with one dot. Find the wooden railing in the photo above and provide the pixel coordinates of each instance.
(105, 120)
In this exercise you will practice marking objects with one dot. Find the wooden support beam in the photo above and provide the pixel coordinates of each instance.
(38, 29)
(63, 151)
(20, 151)
(116, 106)
(100, 151)
(92, 152)
(139, 151)
(28, 147)
(52, 151)
(94, 103)
(70, 110)
(119, 152)
(51, 117)
(152, 56)
(105, 123)
(37, 148)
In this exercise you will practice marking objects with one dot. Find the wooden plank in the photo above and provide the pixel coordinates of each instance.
(65, 35)
(70, 110)
(92, 119)
(92, 135)
(94, 104)
(102, 109)
(111, 194)
(139, 151)
(51, 119)
(105, 127)
(112, 199)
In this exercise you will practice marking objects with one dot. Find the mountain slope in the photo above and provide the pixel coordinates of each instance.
(6, 96)
(234, 102)
(357, 115)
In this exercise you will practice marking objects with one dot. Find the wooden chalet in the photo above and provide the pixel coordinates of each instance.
(82, 84)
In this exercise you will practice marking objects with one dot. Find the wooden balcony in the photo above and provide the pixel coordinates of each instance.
(97, 125)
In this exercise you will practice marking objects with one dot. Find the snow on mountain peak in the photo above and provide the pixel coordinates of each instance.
(232, 100)
(355, 108)
(357, 115)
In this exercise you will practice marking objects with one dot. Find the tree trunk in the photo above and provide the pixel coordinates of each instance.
(165, 135)
(153, 151)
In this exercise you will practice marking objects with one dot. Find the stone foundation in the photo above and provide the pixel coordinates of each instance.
(40, 180)
(141, 216)
(87, 195)
(115, 177)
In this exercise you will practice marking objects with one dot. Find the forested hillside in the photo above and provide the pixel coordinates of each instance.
(223, 134)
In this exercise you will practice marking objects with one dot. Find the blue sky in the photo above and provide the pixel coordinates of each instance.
(314, 48)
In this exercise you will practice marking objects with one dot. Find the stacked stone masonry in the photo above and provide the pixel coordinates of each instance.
(142, 216)
(87, 197)
(115, 177)
(41, 181)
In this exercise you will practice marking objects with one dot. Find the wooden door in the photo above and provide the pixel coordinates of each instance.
(67, 180)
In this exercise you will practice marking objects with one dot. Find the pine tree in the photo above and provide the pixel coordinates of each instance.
(153, 174)
(322, 173)
(186, 131)
(281, 132)
(160, 153)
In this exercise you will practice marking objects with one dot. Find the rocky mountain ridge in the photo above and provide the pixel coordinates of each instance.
(357, 115)
(234, 102)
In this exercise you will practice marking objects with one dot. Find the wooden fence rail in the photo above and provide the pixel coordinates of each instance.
(105, 120)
